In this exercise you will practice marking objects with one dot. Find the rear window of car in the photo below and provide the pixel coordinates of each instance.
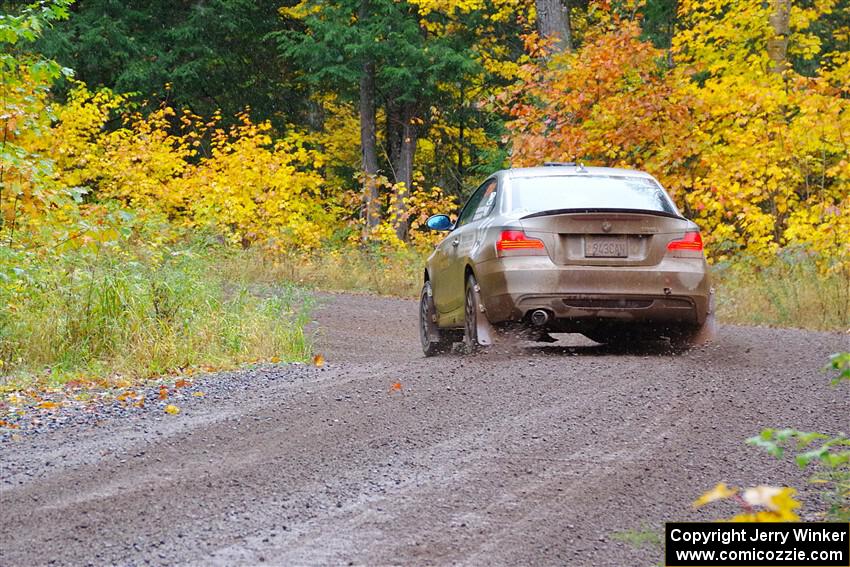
(538, 194)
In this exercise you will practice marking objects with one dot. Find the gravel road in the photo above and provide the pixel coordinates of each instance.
(568, 454)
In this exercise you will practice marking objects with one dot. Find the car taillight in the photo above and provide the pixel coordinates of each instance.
(516, 243)
(692, 241)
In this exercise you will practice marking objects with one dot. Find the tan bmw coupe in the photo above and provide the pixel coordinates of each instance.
(564, 248)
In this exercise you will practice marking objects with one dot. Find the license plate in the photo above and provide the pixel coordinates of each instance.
(606, 247)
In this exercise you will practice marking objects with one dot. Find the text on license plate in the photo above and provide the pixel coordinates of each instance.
(606, 247)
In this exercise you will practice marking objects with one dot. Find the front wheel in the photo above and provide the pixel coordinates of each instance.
(434, 340)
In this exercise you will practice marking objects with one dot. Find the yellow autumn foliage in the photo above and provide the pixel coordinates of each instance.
(260, 191)
(758, 158)
(772, 164)
(779, 505)
(758, 504)
(236, 181)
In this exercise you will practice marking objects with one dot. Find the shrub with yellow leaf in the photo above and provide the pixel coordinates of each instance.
(245, 185)
(261, 191)
(758, 504)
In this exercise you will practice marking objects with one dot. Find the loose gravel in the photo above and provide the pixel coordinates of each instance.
(528, 454)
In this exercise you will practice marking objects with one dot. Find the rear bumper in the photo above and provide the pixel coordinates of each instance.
(676, 291)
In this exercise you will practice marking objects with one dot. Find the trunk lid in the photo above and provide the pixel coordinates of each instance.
(606, 238)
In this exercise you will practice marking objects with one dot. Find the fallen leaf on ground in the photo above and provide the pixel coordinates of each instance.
(319, 360)
(181, 383)
(129, 394)
(275, 359)
(198, 394)
(719, 492)
(163, 393)
(48, 405)
(396, 387)
(8, 425)
(173, 410)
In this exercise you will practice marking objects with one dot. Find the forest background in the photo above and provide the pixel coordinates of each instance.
(174, 174)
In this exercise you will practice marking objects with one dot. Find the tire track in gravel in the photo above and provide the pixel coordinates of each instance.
(526, 455)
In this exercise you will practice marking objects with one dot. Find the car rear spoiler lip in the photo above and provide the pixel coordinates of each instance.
(603, 210)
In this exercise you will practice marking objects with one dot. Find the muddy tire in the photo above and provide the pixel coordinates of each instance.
(434, 340)
(698, 336)
(471, 313)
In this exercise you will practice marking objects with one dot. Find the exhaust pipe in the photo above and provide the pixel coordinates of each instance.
(539, 317)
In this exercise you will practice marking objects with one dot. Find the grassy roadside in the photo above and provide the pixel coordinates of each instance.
(122, 315)
(374, 271)
(788, 292)
(117, 316)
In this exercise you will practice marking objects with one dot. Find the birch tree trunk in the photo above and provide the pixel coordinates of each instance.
(404, 165)
(777, 46)
(553, 22)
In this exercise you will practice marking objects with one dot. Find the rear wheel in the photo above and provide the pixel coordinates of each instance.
(688, 338)
(434, 340)
(698, 336)
(470, 316)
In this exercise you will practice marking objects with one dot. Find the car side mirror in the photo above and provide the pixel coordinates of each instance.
(439, 222)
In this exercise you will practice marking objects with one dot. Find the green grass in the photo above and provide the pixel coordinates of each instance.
(124, 313)
(396, 273)
(639, 538)
(133, 312)
(790, 291)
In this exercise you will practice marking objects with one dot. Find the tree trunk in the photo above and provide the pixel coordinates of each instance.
(403, 165)
(369, 148)
(392, 133)
(777, 50)
(553, 22)
(777, 46)
(460, 139)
